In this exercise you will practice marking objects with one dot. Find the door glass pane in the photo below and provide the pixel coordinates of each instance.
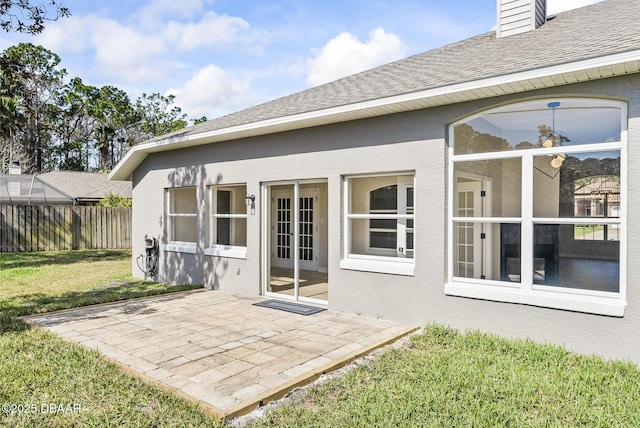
(283, 227)
(306, 229)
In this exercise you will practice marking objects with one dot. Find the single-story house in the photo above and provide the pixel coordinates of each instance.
(86, 188)
(486, 184)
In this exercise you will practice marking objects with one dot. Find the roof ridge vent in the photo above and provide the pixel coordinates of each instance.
(519, 16)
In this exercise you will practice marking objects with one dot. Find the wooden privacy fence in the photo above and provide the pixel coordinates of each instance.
(57, 227)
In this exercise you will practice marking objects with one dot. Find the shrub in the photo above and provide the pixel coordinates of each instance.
(114, 200)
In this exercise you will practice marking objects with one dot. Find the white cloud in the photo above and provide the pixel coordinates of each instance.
(212, 92)
(153, 13)
(73, 36)
(125, 52)
(212, 29)
(557, 6)
(132, 54)
(172, 7)
(118, 51)
(345, 54)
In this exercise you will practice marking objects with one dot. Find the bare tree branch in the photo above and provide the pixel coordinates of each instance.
(21, 16)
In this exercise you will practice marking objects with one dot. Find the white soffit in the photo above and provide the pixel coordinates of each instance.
(563, 74)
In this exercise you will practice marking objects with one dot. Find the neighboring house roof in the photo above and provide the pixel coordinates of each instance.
(86, 186)
(29, 189)
(593, 42)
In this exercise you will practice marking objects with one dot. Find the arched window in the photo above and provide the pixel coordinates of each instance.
(536, 195)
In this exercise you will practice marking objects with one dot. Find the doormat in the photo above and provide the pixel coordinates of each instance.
(296, 308)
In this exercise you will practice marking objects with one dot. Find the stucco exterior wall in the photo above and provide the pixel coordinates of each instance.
(412, 141)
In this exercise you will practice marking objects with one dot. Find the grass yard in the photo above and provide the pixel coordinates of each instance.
(447, 379)
(47, 281)
(39, 372)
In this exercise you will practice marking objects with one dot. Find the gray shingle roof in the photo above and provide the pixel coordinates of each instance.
(605, 28)
(86, 185)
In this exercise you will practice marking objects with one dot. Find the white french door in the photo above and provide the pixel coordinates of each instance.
(284, 232)
(295, 241)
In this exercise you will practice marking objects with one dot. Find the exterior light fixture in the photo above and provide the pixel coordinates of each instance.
(251, 203)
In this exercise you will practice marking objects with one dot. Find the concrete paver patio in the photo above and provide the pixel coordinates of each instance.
(218, 348)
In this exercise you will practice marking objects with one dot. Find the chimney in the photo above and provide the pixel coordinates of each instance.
(14, 169)
(519, 16)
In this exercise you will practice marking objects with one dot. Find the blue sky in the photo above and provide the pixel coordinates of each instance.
(219, 56)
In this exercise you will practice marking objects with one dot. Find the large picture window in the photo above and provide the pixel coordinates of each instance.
(379, 223)
(536, 203)
(182, 214)
(228, 221)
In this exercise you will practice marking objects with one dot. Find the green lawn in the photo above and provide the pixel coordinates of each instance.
(447, 379)
(39, 372)
(43, 282)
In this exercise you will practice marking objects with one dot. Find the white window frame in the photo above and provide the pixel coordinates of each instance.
(173, 245)
(219, 250)
(401, 229)
(525, 292)
(382, 262)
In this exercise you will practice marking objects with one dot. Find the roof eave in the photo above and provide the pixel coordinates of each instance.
(546, 77)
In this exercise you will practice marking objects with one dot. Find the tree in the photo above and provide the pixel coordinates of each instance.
(49, 123)
(23, 17)
(35, 80)
(158, 115)
(75, 125)
(11, 119)
(116, 119)
(201, 119)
